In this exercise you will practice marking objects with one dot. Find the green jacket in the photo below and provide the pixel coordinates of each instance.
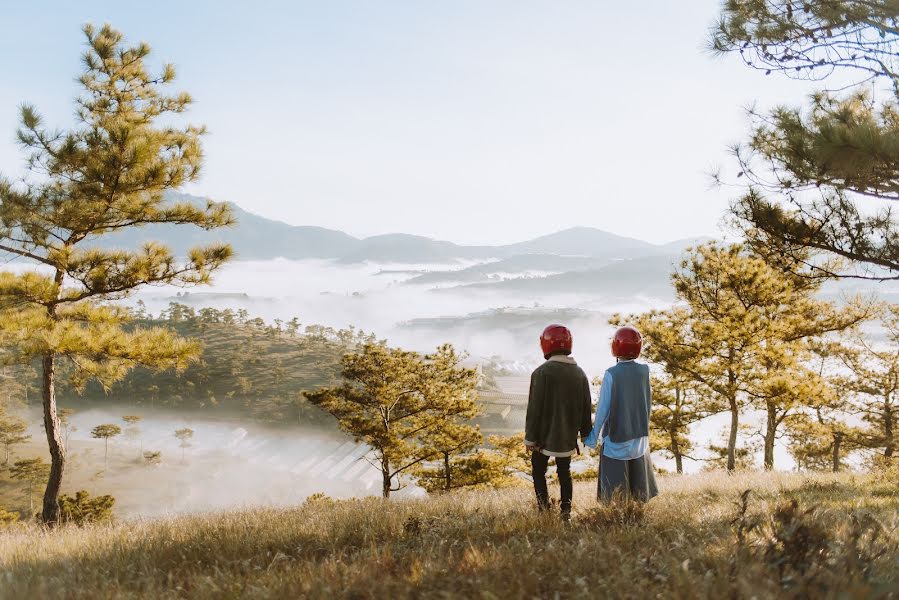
(558, 407)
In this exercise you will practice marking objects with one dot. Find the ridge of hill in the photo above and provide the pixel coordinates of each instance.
(257, 238)
(647, 276)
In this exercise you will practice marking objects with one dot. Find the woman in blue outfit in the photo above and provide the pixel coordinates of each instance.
(622, 423)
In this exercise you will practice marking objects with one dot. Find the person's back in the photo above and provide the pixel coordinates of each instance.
(622, 423)
(556, 413)
(630, 402)
(558, 410)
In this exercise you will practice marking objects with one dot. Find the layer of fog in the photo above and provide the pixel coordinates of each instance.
(372, 297)
(228, 464)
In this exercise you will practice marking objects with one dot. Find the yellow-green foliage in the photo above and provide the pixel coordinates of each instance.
(247, 366)
(408, 407)
(81, 508)
(7, 517)
(692, 541)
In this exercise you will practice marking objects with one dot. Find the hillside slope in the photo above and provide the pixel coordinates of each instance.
(691, 542)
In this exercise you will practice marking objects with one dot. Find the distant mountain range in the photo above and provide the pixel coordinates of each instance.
(256, 238)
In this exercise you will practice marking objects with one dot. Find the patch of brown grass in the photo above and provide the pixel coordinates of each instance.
(836, 541)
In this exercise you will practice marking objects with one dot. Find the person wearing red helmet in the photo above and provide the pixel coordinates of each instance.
(558, 410)
(622, 423)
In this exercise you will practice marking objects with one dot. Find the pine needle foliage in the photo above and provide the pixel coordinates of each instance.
(822, 178)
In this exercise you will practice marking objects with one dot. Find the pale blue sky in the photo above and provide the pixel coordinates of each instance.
(478, 121)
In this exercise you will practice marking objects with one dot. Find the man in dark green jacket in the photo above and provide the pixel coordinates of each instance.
(558, 411)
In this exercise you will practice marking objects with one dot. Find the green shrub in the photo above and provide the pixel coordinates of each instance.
(7, 517)
(82, 509)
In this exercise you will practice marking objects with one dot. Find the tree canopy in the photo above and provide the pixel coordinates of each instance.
(822, 178)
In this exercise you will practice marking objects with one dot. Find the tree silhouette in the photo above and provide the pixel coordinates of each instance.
(32, 471)
(184, 436)
(104, 432)
(12, 431)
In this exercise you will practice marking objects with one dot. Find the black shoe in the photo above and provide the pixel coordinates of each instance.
(566, 512)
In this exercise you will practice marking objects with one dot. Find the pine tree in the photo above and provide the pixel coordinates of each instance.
(748, 334)
(184, 435)
(817, 175)
(13, 430)
(32, 471)
(875, 382)
(399, 402)
(133, 431)
(106, 174)
(453, 444)
(733, 299)
(65, 423)
(104, 432)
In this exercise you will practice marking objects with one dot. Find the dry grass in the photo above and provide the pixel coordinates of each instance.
(838, 539)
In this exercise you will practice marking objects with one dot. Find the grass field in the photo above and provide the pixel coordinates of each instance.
(693, 541)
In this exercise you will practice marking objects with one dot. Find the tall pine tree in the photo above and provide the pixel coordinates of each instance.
(107, 173)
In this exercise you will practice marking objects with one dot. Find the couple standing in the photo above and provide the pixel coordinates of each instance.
(559, 409)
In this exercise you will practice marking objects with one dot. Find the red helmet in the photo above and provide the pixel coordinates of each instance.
(627, 343)
(555, 338)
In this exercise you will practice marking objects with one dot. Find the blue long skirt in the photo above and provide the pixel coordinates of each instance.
(627, 478)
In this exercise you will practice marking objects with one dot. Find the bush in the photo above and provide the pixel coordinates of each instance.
(152, 458)
(806, 552)
(7, 518)
(83, 509)
(318, 499)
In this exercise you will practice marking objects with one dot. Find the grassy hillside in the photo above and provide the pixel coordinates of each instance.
(839, 540)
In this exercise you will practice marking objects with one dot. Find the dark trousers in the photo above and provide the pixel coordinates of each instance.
(539, 462)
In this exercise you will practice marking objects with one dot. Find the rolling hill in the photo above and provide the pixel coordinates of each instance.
(258, 238)
(644, 276)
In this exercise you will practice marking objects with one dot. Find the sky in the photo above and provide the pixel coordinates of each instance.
(478, 122)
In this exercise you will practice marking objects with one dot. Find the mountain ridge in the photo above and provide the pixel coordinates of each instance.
(257, 238)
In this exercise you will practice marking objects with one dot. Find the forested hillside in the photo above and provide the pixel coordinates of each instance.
(247, 366)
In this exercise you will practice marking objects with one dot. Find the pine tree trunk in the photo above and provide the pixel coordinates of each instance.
(770, 433)
(732, 437)
(50, 513)
(446, 470)
(835, 456)
(889, 444)
(675, 447)
(385, 478)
